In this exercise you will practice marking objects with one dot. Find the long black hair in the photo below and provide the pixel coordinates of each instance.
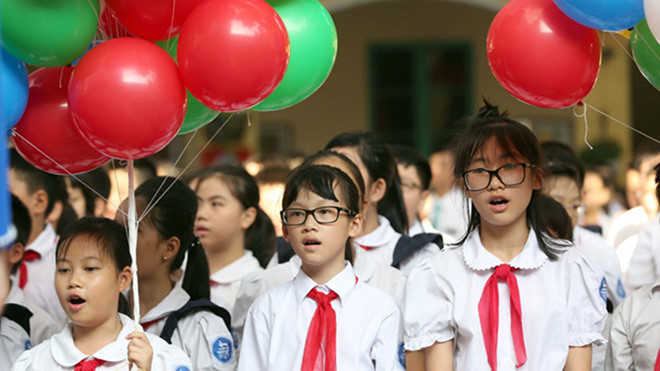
(510, 136)
(260, 236)
(323, 180)
(377, 158)
(173, 215)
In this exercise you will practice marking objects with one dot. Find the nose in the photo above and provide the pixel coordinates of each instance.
(201, 212)
(74, 280)
(495, 183)
(310, 223)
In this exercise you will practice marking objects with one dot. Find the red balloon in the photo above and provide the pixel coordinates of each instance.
(152, 19)
(48, 126)
(110, 26)
(126, 98)
(541, 56)
(232, 54)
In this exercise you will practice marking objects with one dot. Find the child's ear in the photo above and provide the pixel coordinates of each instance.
(377, 190)
(285, 232)
(15, 253)
(248, 217)
(538, 179)
(125, 277)
(172, 246)
(355, 228)
(40, 203)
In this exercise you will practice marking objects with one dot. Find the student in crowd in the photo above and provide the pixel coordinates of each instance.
(93, 268)
(37, 190)
(23, 324)
(340, 322)
(599, 198)
(181, 314)
(271, 180)
(385, 213)
(86, 201)
(478, 307)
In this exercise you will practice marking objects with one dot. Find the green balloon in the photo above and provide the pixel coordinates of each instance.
(313, 40)
(48, 33)
(197, 114)
(646, 52)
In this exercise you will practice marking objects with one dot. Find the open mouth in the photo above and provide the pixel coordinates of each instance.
(498, 202)
(311, 242)
(76, 302)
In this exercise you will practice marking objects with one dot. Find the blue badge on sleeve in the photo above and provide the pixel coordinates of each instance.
(234, 336)
(223, 349)
(182, 368)
(603, 289)
(402, 355)
(620, 290)
(27, 344)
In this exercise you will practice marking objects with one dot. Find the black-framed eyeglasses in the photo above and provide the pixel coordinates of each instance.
(509, 175)
(322, 215)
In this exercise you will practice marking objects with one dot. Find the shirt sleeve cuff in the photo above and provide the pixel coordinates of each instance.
(425, 341)
(582, 339)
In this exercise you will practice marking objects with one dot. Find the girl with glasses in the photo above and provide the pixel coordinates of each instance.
(511, 295)
(326, 318)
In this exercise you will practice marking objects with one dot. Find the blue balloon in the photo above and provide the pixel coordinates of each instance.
(606, 15)
(14, 89)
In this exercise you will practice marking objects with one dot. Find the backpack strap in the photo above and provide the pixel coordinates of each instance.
(19, 314)
(284, 250)
(406, 246)
(192, 307)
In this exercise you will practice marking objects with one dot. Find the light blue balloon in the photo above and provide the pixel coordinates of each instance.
(606, 15)
(14, 88)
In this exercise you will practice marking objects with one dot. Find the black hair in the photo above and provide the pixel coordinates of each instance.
(260, 237)
(23, 224)
(68, 215)
(379, 162)
(99, 180)
(656, 170)
(513, 137)
(559, 160)
(352, 167)
(272, 174)
(35, 179)
(322, 180)
(109, 236)
(173, 215)
(552, 217)
(408, 156)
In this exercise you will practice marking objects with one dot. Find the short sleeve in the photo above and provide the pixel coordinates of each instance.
(256, 338)
(428, 310)
(587, 296)
(385, 351)
(24, 361)
(208, 342)
(168, 357)
(619, 354)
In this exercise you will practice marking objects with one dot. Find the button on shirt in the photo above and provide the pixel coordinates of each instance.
(60, 353)
(561, 305)
(635, 334)
(202, 335)
(368, 330)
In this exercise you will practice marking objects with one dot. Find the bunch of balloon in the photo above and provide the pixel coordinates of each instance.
(127, 98)
(605, 15)
(646, 52)
(13, 89)
(313, 40)
(541, 56)
(232, 55)
(46, 136)
(47, 33)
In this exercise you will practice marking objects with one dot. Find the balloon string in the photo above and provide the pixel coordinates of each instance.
(133, 224)
(586, 124)
(16, 134)
(96, 14)
(167, 45)
(622, 47)
(61, 76)
(189, 163)
(622, 123)
(641, 36)
(248, 119)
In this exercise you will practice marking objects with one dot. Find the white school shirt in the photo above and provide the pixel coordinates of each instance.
(59, 353)
(40, 287)
(623, 233)
(368, 326)
(226, 282)
(13, 342)
(562, 301)
(42, 326)
(202, 335)
(634, 337)
(382, 241)
(644, 265)
(449, 212)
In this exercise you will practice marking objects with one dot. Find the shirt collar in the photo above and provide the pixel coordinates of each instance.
(45, 241)
(66, 354)
(364, 266)
(177, 298)
(342, 284)
(380, 236)
(478, 258)
(236, 270)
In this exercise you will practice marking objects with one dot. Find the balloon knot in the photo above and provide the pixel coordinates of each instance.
(580, 104)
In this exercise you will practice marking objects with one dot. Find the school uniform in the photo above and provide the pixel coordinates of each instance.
(14, 340)
(448, 212)
(38, 280)
(226, 282)
(380, 244)
(60, 353)
(634, 340)
(644, 265)
(367, 325)
(42, 326)
(562, 304)
(623, 234)
(202, 335)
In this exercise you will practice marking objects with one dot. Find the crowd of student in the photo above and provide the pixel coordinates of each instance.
(498, 252)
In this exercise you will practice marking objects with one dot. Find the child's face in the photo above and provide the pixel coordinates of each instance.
(413, 194)
(564, 190)
(497, 204)
(221, 219)
(34, 202)
(316, 244)
(88, 284)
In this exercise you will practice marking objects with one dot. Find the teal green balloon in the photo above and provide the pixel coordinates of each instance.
(48, 33)
(313, 40)
(646, 52)
(197, 114)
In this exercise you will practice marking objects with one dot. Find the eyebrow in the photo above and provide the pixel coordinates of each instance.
(89, 257)
(217, 197)
(508, 155)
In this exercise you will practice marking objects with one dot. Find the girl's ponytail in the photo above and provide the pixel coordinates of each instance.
(195, 279)
(260, 238)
